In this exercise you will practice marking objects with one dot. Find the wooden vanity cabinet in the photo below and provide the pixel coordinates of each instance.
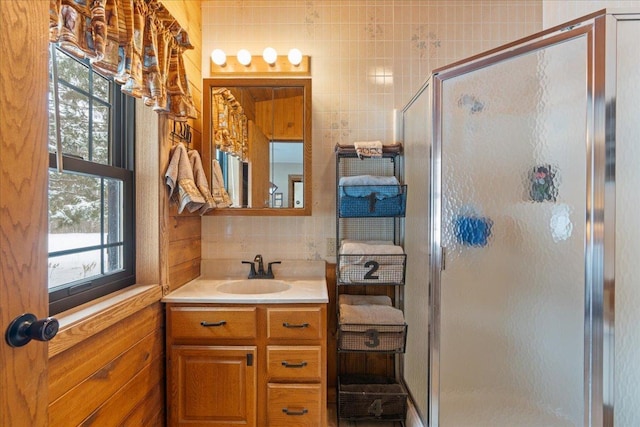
(242, 365)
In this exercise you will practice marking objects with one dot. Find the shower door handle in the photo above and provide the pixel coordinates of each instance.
(443, 258)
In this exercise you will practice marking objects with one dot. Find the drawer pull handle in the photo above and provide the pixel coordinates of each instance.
(294, 365)
(293, 325)
(207, 324)
(288, 412)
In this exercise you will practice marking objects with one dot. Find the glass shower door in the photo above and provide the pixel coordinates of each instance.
(511, 224)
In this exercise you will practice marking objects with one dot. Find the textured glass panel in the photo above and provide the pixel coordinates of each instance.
(417, 143)
(627, 271)
(512, 294)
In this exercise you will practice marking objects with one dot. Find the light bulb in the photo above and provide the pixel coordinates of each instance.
(295, 56)
(218, 57)
(270, 55)
(244, 57)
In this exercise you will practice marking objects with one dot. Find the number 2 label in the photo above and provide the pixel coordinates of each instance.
(374, 267)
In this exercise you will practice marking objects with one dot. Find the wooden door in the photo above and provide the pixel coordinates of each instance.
(213, 386)
(23, 205)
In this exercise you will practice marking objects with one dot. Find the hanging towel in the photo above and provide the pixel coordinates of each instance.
(200, 180)
(179, 179)
(368, 149)
(220, 195)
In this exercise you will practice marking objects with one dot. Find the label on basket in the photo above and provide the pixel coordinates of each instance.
(376, 408)
(373, 338)
(374, 267)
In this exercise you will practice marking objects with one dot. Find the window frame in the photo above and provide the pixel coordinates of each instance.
(121, 167)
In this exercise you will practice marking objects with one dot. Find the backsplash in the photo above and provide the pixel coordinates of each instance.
(368, 57)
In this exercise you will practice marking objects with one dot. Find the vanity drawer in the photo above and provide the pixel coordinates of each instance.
(294, 363)
(212, 322)
(294, 405)
(295, 323)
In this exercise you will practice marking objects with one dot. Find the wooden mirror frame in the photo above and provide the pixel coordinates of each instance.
(208, 149)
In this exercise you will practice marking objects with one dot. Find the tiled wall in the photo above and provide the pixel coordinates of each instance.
(556, 12)
(368, 57)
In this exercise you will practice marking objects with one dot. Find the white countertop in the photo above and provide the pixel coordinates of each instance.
(307, 280)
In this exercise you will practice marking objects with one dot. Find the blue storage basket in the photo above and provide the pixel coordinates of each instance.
(376, 201)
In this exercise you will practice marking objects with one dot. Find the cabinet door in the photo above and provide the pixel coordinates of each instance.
(212, 386)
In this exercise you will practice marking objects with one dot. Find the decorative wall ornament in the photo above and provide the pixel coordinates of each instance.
(543, 184)
(472, 230)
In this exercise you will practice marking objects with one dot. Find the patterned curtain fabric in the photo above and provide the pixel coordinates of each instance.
(137, 42)
(230, 124)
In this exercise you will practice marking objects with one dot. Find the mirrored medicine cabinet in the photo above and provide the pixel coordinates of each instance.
(257, 142)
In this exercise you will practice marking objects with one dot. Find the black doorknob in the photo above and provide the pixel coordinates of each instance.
(27, 327)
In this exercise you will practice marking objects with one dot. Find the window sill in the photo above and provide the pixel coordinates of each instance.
(89, 319)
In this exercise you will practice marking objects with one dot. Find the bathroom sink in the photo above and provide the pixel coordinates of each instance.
(253, 286)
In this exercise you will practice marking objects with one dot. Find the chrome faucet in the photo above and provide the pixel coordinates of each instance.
(260, 273)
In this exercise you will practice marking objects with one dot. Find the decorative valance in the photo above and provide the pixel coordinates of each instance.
(137, 42)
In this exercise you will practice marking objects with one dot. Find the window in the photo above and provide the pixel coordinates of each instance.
(91, 201)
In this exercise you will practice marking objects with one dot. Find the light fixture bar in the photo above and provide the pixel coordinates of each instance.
(258, 66)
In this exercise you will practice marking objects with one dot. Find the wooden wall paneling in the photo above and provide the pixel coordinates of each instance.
(83, 399)
(184, 250)
(151, 409)
(131, 397)
(189, 14)
(129, 301)
(148, 184)
(183, 273)
(164, 146)
(184, 227)
(181, 241)
(71, 367)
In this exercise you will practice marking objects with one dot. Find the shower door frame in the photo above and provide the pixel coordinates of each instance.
(599, 286)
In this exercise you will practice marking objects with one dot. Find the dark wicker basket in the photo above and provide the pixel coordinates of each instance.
(370, 397)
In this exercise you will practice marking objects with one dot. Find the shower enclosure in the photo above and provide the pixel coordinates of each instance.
(534, 234)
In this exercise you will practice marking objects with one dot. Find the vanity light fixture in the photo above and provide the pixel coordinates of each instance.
(244, 57)
(270, 55)
(218, 57)
(269, 63)
(295, 56)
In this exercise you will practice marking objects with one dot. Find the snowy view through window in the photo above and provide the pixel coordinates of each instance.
(85, 202)
(69, 268)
